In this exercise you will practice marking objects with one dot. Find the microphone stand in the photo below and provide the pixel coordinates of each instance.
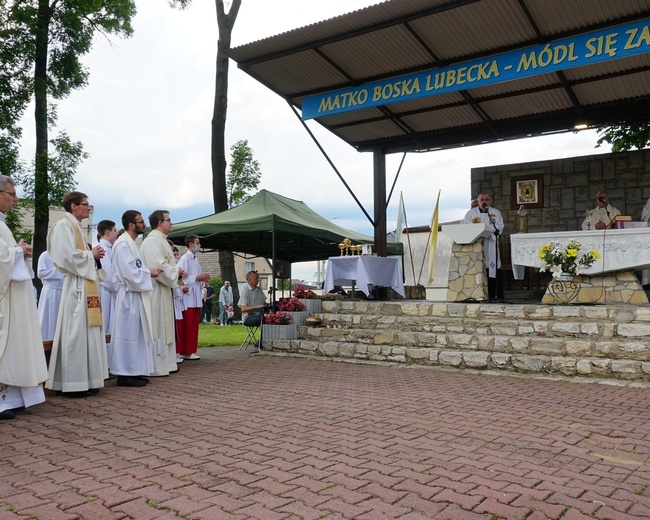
(497, 234)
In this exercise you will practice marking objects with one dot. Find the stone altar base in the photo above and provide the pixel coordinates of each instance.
(620, 287)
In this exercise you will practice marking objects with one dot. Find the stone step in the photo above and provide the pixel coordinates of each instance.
(510, 327)
(579, 365)
(564, 345)
(631, 314)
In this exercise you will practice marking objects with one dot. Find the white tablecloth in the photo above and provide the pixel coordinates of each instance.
(364, 271)
(620, 249)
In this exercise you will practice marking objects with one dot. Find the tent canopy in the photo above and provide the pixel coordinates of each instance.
(301, 234)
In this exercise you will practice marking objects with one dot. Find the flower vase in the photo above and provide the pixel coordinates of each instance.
(312, 305)
(299, 317)
(565, 277)
(271, 332)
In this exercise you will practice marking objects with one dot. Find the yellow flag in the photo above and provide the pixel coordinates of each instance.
(433, 241)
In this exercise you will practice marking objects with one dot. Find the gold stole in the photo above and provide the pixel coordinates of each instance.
(92, 287)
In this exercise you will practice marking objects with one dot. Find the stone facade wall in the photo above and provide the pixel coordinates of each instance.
(569, 188)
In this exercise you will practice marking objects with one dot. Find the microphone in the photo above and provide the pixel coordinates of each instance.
(485, 207)
(601, 199)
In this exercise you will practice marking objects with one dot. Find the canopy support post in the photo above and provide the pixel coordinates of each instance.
(379, 180)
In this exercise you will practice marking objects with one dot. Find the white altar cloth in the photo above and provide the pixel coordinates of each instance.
(364, 270)
(620, 249)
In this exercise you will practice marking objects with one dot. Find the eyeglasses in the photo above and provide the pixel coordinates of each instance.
(141, 222)
(85, 204)
(167, 220)
(10, 193)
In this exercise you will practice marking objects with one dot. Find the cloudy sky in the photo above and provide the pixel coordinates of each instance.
(145, 120)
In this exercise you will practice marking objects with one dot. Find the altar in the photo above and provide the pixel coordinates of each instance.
(364, 271)
(610, 279)
(620, 249)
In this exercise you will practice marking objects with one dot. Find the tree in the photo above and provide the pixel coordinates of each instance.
(225, 23)
(244, 174)
(48, 37)
(625, 136)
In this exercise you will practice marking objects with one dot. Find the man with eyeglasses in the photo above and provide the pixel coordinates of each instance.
(78, 363)
(22, 360)
(131, 356)
(157, 253)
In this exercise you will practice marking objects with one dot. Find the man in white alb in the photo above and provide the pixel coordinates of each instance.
(78, 364)
(22, 361)
(131, 357)
(50, 299)
(157, 254)
(492, 217)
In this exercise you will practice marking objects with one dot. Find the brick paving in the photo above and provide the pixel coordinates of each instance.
(267, 437)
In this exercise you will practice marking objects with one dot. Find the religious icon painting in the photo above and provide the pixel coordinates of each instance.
(527, 191)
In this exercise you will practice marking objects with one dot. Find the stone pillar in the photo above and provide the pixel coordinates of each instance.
(467, 276)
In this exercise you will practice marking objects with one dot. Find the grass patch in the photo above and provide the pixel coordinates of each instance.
(217, 336)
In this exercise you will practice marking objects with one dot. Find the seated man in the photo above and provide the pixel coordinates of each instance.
(252, 300)
(601, 216)
(337, 290)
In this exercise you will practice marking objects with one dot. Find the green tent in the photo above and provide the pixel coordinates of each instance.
(272, 226)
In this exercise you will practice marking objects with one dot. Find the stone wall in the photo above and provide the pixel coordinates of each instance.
(606, 341)
(569, 188)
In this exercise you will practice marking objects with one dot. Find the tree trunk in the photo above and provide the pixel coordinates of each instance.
(41, 202)
(218, 155)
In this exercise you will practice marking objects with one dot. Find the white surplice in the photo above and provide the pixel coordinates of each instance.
(22, 360)
(156, 252)
(50, 299)
(131, 343)
(78, 361)
(476, 216)
(108, 288)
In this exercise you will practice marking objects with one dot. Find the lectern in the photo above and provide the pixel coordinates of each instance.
(467, 276)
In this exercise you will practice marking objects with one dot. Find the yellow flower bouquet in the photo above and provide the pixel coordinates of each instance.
(569, 259)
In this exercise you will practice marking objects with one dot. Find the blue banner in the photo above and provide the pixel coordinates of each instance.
(586, 49)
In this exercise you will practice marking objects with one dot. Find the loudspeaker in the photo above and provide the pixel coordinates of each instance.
(282, 269)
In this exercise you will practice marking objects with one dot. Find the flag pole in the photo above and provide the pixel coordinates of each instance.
(408, 237)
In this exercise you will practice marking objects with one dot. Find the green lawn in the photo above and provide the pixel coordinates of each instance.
(217, 336)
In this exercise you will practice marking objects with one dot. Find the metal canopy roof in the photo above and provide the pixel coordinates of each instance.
(399, 37)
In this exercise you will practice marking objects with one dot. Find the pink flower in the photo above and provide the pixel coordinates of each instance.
(291, 305)
(278, 318)
(302, 292)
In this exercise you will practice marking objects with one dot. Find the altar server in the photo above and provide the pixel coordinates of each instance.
(50, 299)
(131, 356)
(107, 235)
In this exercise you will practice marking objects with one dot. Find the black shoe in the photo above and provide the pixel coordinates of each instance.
(93, 391)
(82, 393)
(7, 414)
(18, 409)
(129, 381)
(142, 378)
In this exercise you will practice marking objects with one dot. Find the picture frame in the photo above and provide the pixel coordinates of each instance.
(527, 191)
